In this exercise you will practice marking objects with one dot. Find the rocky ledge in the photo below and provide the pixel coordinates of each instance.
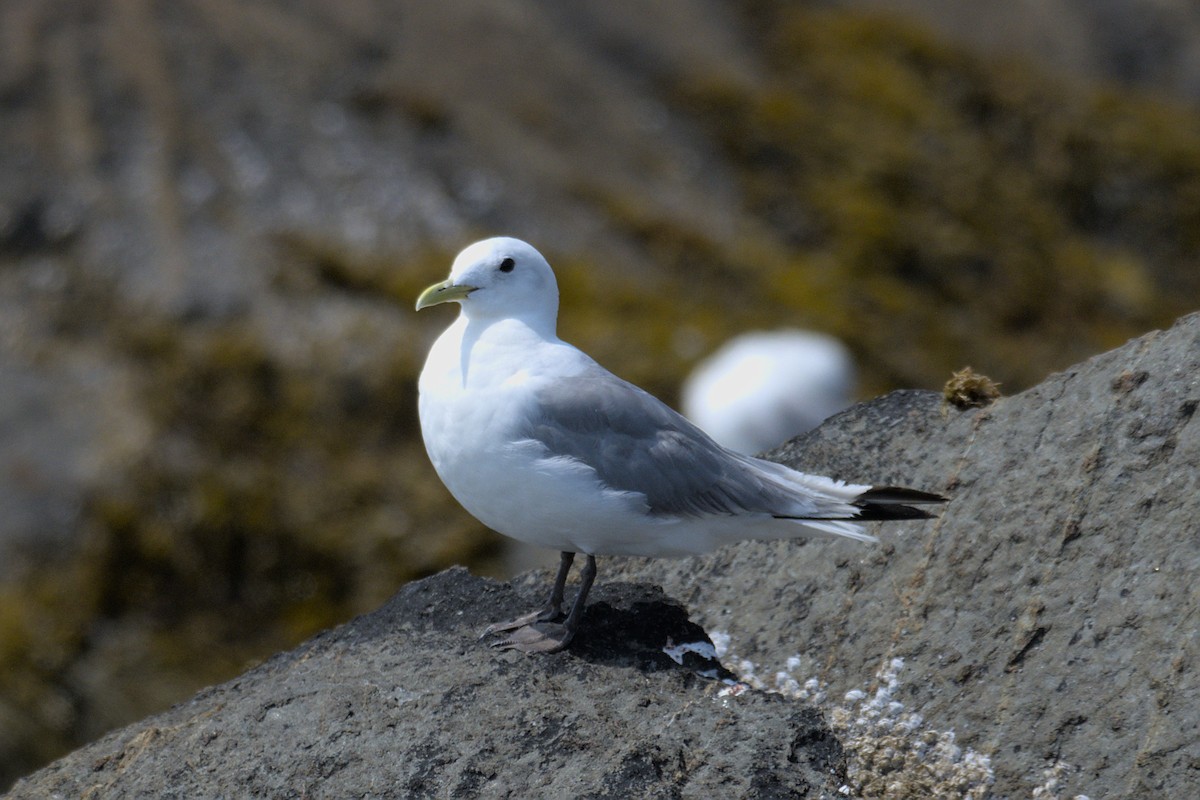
(404, 702)
(1038, 639)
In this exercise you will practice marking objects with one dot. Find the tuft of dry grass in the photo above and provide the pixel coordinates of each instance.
(969, 389)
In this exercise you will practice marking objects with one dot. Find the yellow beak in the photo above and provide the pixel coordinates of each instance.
(444, 292)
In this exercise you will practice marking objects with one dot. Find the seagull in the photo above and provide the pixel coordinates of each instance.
(539, 442)
(764, 387)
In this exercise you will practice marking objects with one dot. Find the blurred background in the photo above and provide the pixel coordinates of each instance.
(215, 216)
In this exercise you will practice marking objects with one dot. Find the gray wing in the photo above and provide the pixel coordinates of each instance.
(637, 443)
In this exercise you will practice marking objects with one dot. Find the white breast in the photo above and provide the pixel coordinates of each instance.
(474, 400)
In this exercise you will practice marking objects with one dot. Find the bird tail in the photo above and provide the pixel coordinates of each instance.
(835, 507)
(875, 504)
(894, 502)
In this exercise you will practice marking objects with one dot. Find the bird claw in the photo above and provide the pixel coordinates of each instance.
(539, 637)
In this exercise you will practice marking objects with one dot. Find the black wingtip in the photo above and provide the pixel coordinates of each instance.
(885, 513)
(898, 495)
(894, 503)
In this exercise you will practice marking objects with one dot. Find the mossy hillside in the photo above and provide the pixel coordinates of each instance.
(931, 208)
(981, 212)
(652, 326)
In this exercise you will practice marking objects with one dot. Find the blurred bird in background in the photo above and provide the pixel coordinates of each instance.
(762, 388)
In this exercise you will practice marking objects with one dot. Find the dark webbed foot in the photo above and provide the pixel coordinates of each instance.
(540, 631)
(548, 613)
(540, 637)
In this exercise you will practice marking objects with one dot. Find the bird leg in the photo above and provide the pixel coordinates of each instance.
(546, 636)
(547, 613)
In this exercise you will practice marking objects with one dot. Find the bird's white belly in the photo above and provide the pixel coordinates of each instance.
(514, 489)
(472, 432)
(511, 485)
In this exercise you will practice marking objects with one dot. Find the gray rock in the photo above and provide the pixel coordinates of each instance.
(1049, 616)
(1046, 619)
(403, 702)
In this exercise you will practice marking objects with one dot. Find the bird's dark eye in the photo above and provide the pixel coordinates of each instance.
(507, 265)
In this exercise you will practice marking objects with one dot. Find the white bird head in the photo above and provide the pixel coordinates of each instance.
(499, 278)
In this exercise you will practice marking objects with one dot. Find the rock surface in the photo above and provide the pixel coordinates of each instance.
(404, 702)
(1046, 618)
(1049, 616)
